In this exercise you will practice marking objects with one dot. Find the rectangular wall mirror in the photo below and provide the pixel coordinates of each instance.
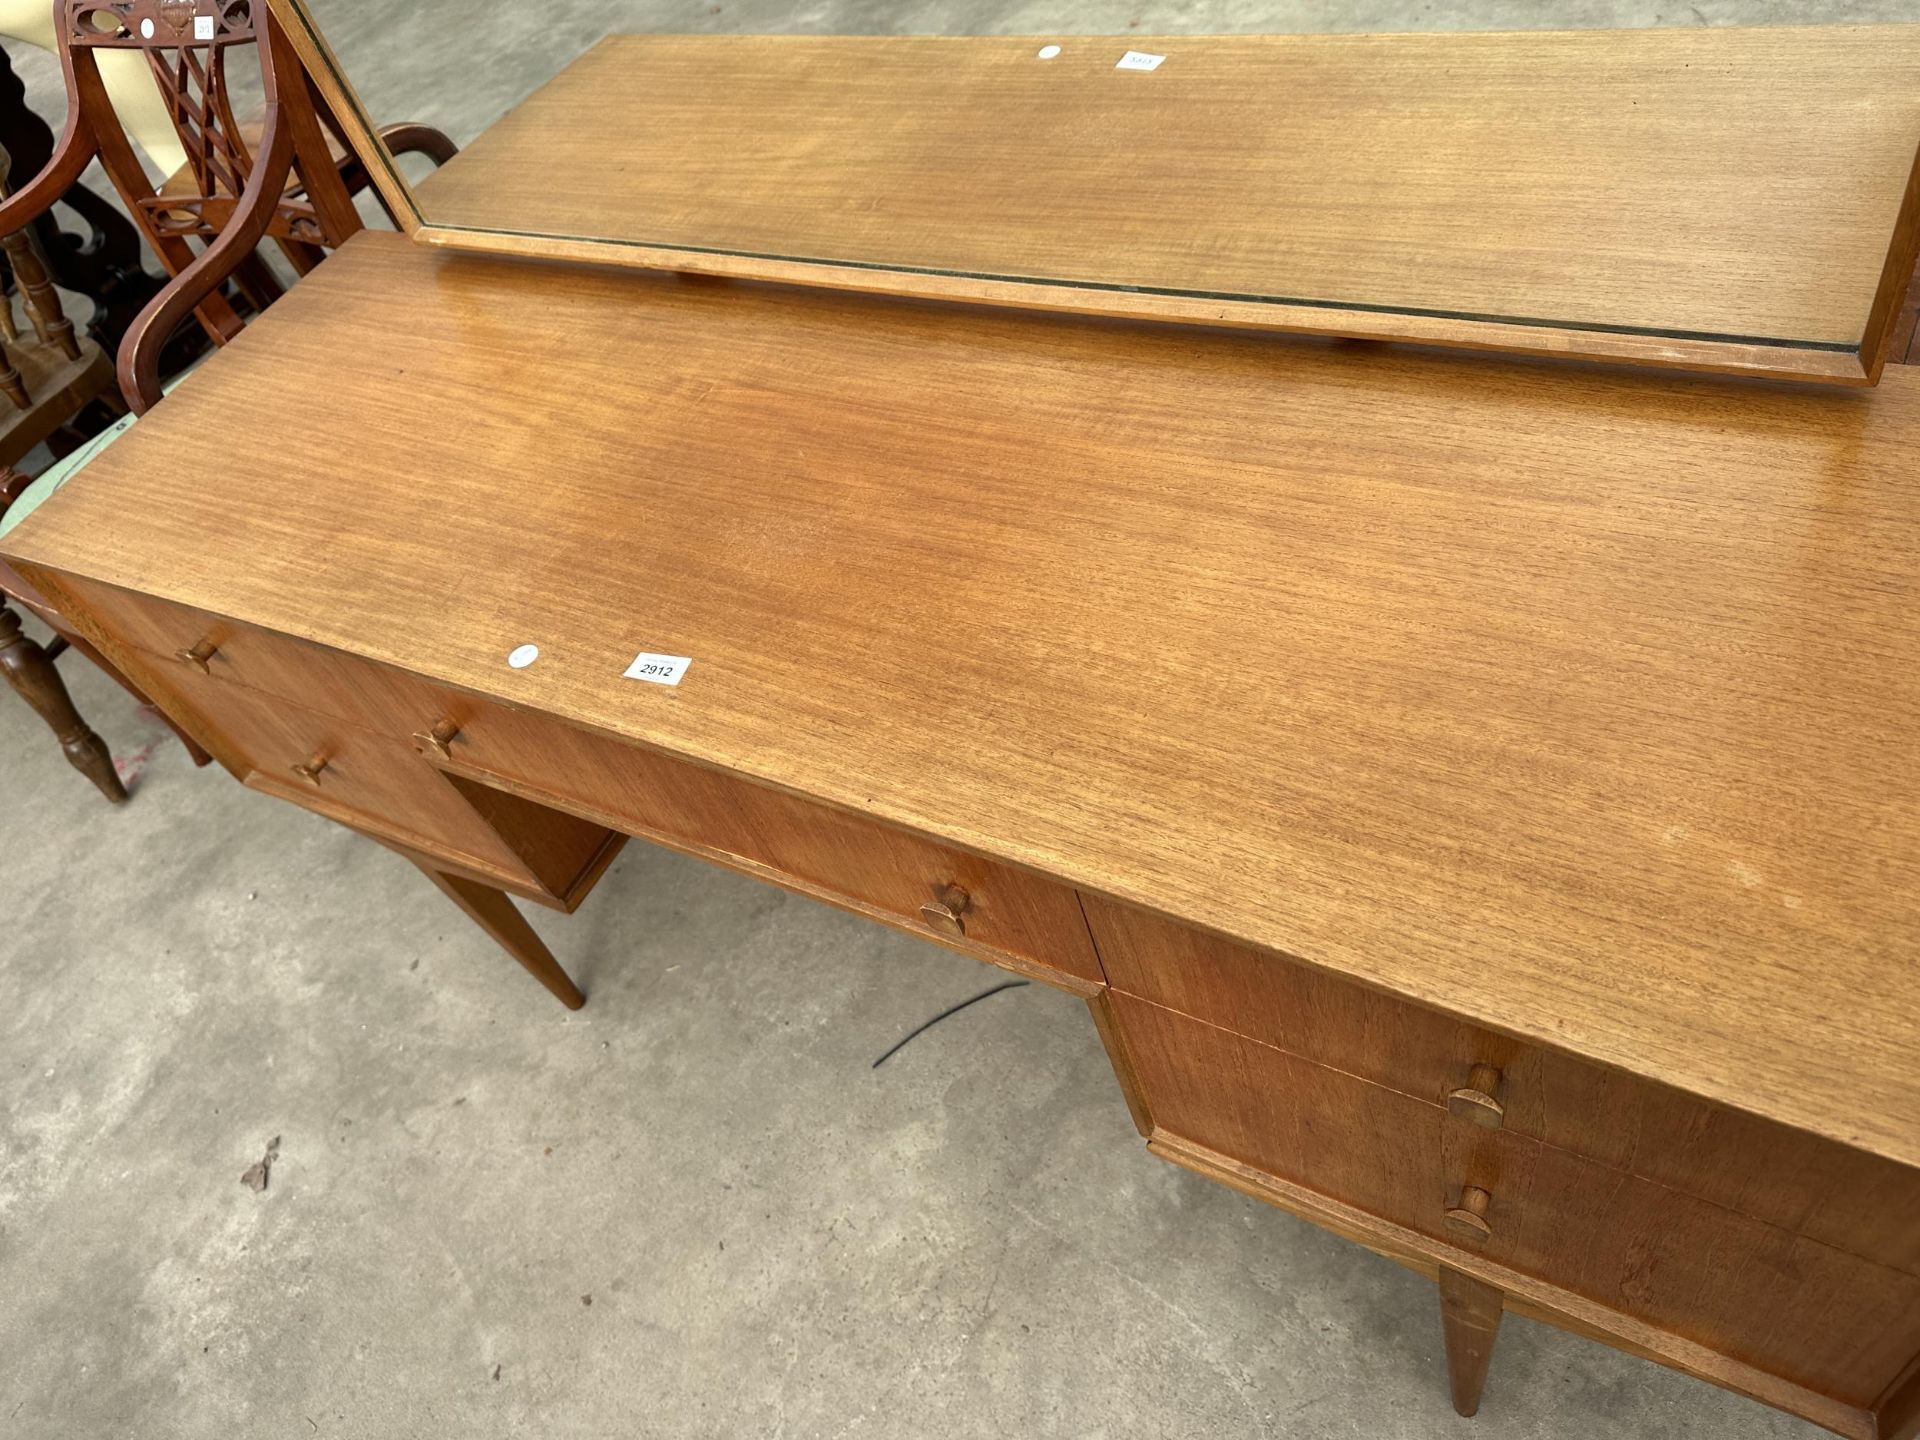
(1726, 200)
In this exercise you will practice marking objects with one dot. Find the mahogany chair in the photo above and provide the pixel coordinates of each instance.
(285, 182)
(288, 185)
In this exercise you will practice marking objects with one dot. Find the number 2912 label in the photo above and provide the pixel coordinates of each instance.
(658, 669)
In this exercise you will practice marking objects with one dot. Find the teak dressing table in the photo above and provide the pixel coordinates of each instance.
(1476, 798)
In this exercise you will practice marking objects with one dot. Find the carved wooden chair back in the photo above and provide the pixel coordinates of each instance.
(285, 183)
(188, 45)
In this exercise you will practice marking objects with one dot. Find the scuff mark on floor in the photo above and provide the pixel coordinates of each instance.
(256, 1175)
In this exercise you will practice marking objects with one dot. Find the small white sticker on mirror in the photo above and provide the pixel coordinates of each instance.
(524, 656)
(1139, 60)
(203, 27)
(1047, 52)
(658, 669)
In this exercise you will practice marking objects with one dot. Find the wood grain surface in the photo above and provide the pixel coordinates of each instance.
(1731, 183)
(1580, 704)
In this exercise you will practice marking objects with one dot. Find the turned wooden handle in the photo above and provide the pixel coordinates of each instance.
(1467, 1221)
(947, 914)
(199, 656)
(1476, 1100)
(439, 739)
(310, 769)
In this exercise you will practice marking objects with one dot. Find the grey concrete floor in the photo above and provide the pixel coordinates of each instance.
(692, 1209)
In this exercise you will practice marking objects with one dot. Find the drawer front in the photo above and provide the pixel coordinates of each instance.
(1782, 1302)
(378, 784)
(972, 904)
(1784, 1177)
(196, 644)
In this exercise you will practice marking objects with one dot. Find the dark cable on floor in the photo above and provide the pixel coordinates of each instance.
(951, 1010)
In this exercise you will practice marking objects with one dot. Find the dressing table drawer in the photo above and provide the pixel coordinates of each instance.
(1826, 1191)
(184, 639)
(1785, 1302)
(528, 761)
(991, 911)
(377, 784)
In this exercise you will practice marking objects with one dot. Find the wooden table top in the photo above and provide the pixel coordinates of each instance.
(1584, 703)
(1704, 182)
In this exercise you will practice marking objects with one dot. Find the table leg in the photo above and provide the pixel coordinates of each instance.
(1470, 1314)
(494, 913)
(34, 678)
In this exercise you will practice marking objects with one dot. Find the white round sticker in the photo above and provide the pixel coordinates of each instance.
(1047, 52)
(146, 29)
(524, 656)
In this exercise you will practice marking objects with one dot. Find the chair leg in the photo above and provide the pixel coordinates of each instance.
(1470, 1315)
(35, 680)
(494, 913)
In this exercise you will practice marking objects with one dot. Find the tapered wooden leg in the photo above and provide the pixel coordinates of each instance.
(34, 678)
(1470, 1314)
(494, 913)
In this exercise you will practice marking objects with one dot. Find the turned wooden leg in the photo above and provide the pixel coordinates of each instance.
(494, 913)
(36, 681)
(1470, 1315)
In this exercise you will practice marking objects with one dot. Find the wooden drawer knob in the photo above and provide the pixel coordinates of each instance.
(947, 914)
(1476, 1100)
(199, 656)
(310, 769)
(438, 740)
(1467, 1221)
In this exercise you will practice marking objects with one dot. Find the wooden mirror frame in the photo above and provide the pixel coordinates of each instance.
(1818, 363)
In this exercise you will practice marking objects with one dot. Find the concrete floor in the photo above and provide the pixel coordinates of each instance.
(693, 1209)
